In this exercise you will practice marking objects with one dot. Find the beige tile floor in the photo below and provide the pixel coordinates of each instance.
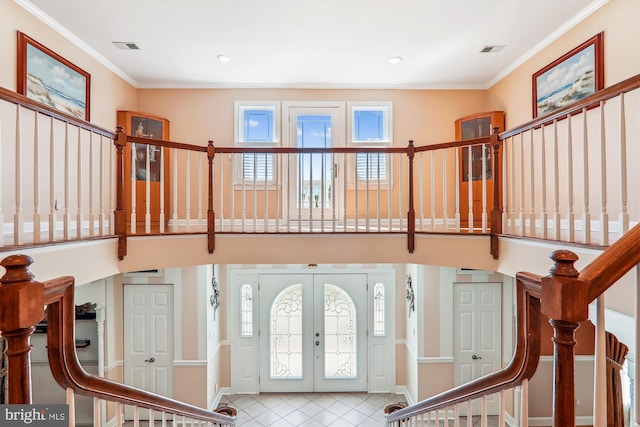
(310, 409)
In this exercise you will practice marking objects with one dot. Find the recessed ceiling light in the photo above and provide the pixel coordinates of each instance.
(126, 45)
(492, 48)
(223, 58)
(395, 59)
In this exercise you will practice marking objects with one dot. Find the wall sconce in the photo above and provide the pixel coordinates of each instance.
(410, 295)
(214, 299)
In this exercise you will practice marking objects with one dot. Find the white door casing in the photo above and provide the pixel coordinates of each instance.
(148, 338)
(477, 326)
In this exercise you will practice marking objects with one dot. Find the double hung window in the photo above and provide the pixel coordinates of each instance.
(371, 126)
(257, 126)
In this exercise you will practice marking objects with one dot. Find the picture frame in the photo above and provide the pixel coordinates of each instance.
(575, 75)
(50, 79)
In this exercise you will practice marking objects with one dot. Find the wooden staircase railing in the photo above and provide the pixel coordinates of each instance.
(564, 297)
(522, 366)
(25, 300)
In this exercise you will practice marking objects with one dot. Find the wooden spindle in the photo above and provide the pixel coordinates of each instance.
(147, 190)
(521, 215)
(543, 184)
(433, 191)
(79, 162)
(163, 152)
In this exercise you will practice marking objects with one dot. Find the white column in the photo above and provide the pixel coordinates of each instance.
(600, 369)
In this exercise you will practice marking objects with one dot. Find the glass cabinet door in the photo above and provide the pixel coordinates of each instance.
(145, 127)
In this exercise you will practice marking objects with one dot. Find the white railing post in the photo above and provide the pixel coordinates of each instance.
(36, 180)
(163, 152)
(92, 212)
(457, 198)
(147, 190)
(445, 215)
(433, 192)
(524, 404)
(508, 207)
(604, 216)
(543, 185)
(421, 190)
(470, 188)
(521, 215)
(586, 216)
(556, 183)
(571, 220)
(17, 218)
(532, 198)
(174, 180)
(484, 187)
(624, 215)
(71, 401)
(79, 186)
(188, 190)
(134, 148)
(67, 184)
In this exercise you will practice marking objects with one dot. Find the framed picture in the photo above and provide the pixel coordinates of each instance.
(573, 76)
(50, 79)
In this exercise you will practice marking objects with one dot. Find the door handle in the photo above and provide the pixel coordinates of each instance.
(474, 357)
(151, 360)
(317, 342)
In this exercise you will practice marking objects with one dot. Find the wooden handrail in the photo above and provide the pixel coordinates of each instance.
(16, 98)
(66, 369)
(522, 366)
(612, 264)
(590, 101)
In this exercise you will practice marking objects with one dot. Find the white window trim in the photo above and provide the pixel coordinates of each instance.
(352, 107)
(239, 107)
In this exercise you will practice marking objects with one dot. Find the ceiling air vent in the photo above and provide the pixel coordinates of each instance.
(126, 45)
(492, 48)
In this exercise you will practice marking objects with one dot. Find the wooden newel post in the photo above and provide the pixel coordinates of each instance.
(565, 301)
(411, 214)
(496, 210)
(22, 308)
(211, 215)
(120, 215)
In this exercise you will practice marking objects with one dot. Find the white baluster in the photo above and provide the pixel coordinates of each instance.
(470, 187)
(67, 183)
(200, 182)
(600, 368)
(221, 190)
(136, 409)
(532, 198)
(188, 190)
(457, 198)
(163, 152)
(586, 215)
(484, 186)
(556, 183)
(147, 189)
(134, 150)
(17, 218)
(101, 216)
(266, 193)
(571, 217)
(164, 419)
(112, 196)
(503, 408)
(483, 412)
(604, 216)
(79, 186)
(389, 204)
(433, 192)
(96, 412)
(401, 191)
(524, 404)
(2, 192)
(521, 216)
(469, 413)
(175, 187)
(456, 408)
(420, 189)
(378, 192)
(92, 218)
(71, 401)
(508, 191)
(366, 193)
(445, 215)
(36, 180)
(118, 414)
(624, 215)
(543, 184)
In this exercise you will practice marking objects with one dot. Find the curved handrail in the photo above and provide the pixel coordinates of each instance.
(66, 369)
(522, 366)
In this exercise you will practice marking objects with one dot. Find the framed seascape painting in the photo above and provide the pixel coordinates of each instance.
(575, 75)
(48, 78)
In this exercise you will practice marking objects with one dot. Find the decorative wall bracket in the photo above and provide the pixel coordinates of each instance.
(214, 299)
(410, 295)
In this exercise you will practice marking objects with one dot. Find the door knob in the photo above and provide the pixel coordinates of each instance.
(151, 360)
(317, 342)
(474, 357)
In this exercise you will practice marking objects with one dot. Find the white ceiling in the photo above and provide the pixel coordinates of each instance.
(312, 43)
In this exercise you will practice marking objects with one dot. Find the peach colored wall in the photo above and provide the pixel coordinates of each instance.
(618, 19)
(434, 378)
(109, 92)
(192, 385)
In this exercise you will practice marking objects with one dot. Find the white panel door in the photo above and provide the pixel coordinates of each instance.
(313, 335)
(148, 339)
(477, 329)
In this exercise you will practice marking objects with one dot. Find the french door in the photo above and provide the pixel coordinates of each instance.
(314, 332)
(315, 184)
